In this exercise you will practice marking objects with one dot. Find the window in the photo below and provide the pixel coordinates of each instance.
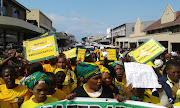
(15, 13)
(132, 28)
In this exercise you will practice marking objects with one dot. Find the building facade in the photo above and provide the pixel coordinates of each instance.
(39, 19)
(13, 26)
(166, 30)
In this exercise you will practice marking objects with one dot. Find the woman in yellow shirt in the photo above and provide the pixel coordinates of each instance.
(53, 92)
(39, 83)
(60, 75)
(10, 92)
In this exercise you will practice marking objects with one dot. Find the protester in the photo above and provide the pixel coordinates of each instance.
(52, 66)
(170, 82)
(70, 81)
(120, 79)
(93, 87)
(11, 92)
(39, 83)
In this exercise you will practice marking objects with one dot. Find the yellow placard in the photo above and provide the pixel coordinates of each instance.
(112, 55)
(0, 61)
(40, 48)
(70, 53)
(81, 53)
(151, 64)
(147, 51)
(45, 34)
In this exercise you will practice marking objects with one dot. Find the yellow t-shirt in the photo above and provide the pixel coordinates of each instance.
(8, 95)
(73, 68)
(59, 94)
(49, 68)
(149, 98)
(4, 104)
(1, 81)
(18, 79)
(176, 104)
(68, 90)
(31, 104)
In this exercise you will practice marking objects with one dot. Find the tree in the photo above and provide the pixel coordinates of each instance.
(84, 39)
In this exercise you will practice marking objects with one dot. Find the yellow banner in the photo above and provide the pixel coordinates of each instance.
(70, 53)
(112, 55)
(40, 48)
(81, 53)
(0, 61)
(147, 51)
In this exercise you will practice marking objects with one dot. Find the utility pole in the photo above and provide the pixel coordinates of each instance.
(112, 36)
(1, 7)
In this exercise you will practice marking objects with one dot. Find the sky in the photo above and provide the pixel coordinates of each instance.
(83, 18)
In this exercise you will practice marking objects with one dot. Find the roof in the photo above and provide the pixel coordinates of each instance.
(20, 5)
(158, 25)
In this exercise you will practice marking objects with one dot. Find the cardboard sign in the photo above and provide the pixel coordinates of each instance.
(147, 51)
(70, 53)
(40, 48)
(141, 75)
(98, 103)
(81, 53)
(112, 55)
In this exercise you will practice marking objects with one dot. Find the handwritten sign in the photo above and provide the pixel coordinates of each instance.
(141, 75)
(147, 51)
(40, 48)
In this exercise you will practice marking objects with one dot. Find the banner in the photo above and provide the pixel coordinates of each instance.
(70, 53)
(147, 51)
(81, 53)
(112, 55)
(98, 103)
(40, 48)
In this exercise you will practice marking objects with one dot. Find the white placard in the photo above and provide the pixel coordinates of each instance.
(141, 75)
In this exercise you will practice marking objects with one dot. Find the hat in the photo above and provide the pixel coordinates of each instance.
(36, 78)
(174, 54)
(102, 47)
(87, 70)
(158, 63)
(167, 55)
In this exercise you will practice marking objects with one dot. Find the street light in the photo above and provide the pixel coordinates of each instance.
(112, 36)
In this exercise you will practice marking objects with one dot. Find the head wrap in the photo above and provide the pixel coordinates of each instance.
(104, 70)
(86, 70)
(117, 63)
(158, 63)
(87, 54)
(35, 78)
(59, 69)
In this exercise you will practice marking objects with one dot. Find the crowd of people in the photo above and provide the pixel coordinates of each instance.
(25, 85)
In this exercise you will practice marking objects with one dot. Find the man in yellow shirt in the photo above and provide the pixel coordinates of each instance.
(52, 66)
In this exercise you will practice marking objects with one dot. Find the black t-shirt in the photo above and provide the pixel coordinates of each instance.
(106, 92)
